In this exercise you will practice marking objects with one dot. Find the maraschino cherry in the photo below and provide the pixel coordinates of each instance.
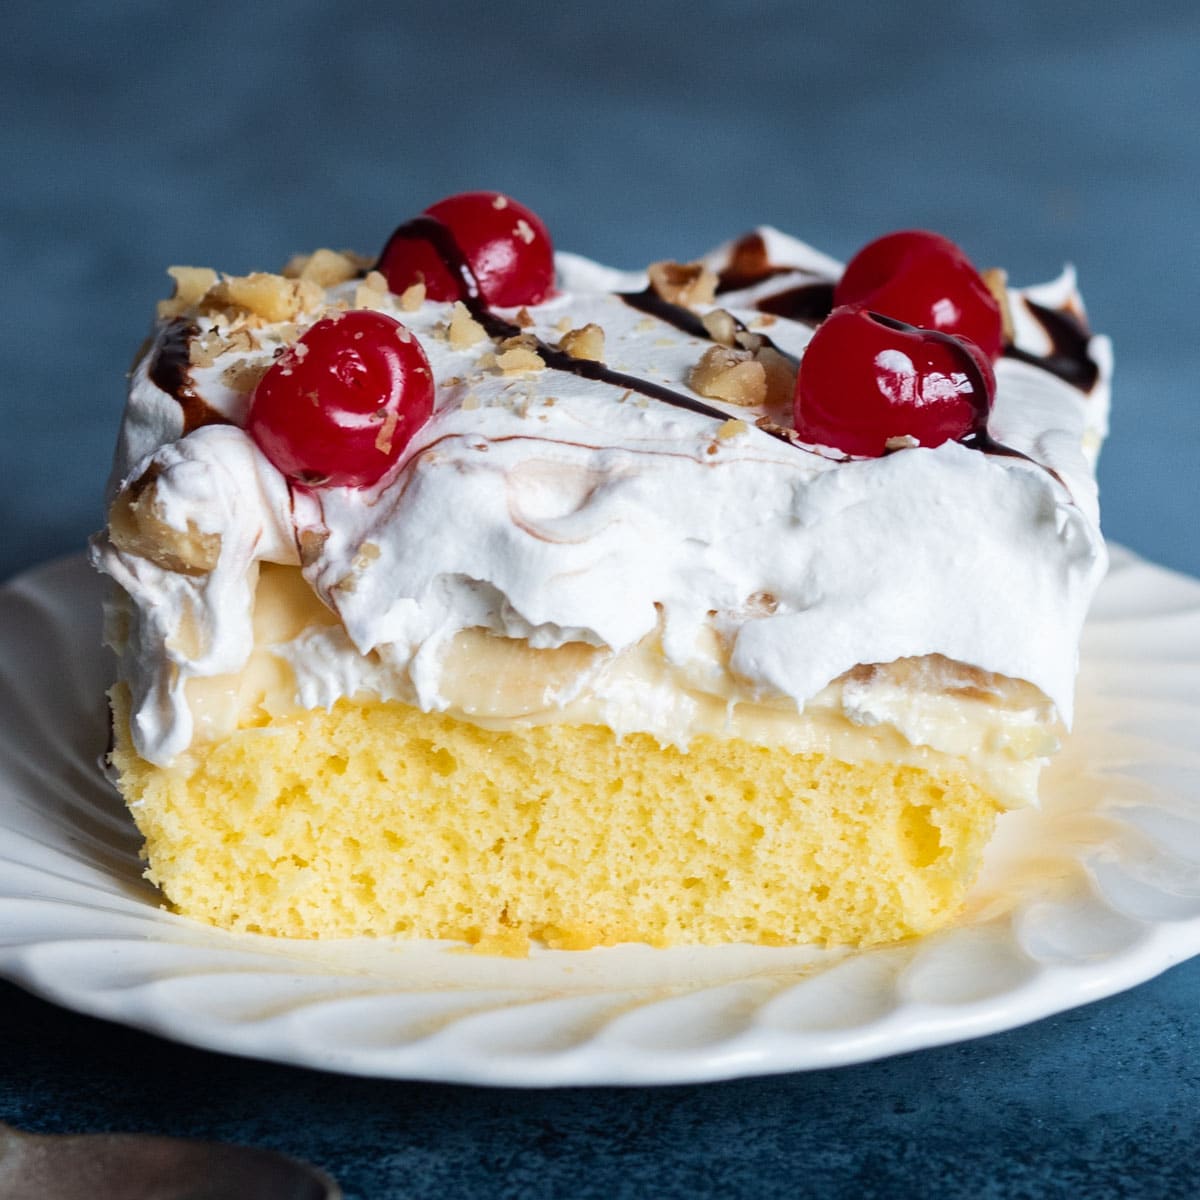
(866, 379)
(925, 280)
(503, 243)
(340, 405)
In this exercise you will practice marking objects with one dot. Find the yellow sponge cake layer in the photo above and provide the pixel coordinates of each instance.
(377, 818)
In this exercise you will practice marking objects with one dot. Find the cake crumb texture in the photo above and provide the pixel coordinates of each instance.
(376, 818)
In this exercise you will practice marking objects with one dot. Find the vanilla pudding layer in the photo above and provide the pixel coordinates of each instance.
(901, 712)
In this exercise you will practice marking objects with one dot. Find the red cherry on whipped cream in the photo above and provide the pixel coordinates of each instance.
(866, 379)
(504, 245)
(923, 279)
(342, 402)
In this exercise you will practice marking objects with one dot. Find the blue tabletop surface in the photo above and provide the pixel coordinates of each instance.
(140, 134)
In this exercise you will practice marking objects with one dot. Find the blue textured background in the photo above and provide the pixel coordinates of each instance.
(134, 135)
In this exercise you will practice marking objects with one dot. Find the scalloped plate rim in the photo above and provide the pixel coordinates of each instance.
(599, 1060)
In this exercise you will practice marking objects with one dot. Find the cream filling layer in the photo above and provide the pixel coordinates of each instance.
(906, 712)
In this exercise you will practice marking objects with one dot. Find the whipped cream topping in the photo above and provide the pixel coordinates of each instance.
(559, 509)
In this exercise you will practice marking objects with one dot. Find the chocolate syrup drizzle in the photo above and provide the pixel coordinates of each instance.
(651, 303)
(171, 371)
(978, 438)
(1068, 357)
(811, 303)
(748, 264)
(171, 368)
(432, 231)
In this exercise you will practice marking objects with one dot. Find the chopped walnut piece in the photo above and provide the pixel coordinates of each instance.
(781, 377)
(519, 361)
(412, 297)
(585, 342)
(324, 267)
(780, 370)
(135, 526)
(519, 355)
(464, 331)
(689, 284)
(523, 318)
(205, 348)
(722, 327)
(761, 602)
(996, 281)
(191, 286)
(372, 292)
(730, 375)
(387, 431)
(312, 543)
(244, 374)
(780, 431)
(368, 552)
(271, 297)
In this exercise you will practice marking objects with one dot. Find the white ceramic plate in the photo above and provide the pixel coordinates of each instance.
(1095, 892)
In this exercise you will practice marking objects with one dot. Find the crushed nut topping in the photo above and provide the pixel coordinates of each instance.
(243, 375)
(586, 342)
(519, 355)
(761, 602)
(781, 377)
(205, 348)
(387, 431)
(136, 527)
(271, 297)
(372, 292)
(324, 267)
(312, 542)
(721, 327)
(780, 431)
(731, 429)
(689, 284)
(734, 376)
(412, 297)
(191, 286)
(464, 331)
(368, 552)
(996, 281)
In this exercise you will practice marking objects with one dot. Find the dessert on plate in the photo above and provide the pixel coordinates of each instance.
(487, 593)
